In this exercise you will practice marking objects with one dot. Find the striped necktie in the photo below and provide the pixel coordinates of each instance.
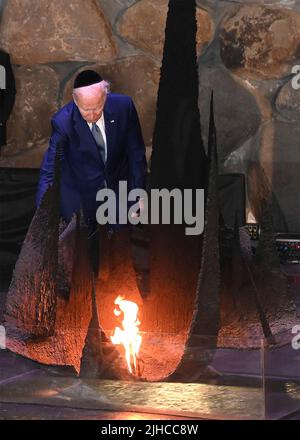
(96, 132)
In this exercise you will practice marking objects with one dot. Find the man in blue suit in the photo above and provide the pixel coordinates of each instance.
(100, 144)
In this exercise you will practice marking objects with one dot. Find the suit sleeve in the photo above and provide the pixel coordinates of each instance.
(8, 95)
(136, 151)
(57, 143)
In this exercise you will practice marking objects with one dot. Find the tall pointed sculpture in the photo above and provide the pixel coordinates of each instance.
(178, 161)
(204, 327)
(178, 156)
(31, 300)
(206, 318)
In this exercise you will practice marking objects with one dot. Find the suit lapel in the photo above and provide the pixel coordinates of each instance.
(110, 128)
(86, 139)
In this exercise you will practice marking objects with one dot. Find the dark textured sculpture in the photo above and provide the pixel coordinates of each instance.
(72, 313)
(178, 161)
(203, 293)
(66, 257)
(204, 327)
(31, 300)
(178, 157)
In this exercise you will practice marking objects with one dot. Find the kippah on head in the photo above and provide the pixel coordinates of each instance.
(87, 78)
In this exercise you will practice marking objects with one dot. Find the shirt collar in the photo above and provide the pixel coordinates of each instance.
(100, 122)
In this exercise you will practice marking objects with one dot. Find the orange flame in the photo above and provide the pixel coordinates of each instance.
(129, 336)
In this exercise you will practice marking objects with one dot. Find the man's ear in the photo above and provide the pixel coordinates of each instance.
(74, 98)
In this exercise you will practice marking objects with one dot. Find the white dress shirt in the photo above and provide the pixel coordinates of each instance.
(101, 124)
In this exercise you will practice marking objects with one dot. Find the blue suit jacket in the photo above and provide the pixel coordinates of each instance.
(83, 172)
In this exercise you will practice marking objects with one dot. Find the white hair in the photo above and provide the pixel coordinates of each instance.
(104, 85)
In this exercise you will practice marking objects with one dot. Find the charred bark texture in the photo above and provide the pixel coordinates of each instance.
(178, 161)
(31, 300)
(201, 342)
(66, 257)
(178, 158)
(73, 314)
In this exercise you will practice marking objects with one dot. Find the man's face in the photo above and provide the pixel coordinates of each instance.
(90, 103)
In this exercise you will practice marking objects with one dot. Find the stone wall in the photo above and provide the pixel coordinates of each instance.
(247, 50)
